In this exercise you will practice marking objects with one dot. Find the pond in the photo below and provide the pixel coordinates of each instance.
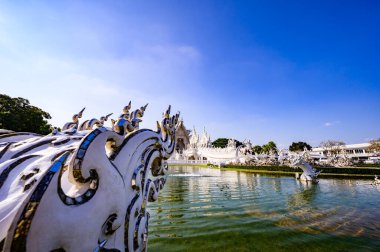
(204, 209)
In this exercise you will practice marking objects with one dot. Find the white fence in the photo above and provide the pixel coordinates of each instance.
(188, 162)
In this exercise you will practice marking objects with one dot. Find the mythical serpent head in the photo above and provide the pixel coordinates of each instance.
(82, 190)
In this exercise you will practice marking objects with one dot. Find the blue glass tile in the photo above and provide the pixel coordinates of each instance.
(121, 122)
(55, 167)
(80, 153)
(91, 136)
(85, 144)
(69, 201)
(79, 199)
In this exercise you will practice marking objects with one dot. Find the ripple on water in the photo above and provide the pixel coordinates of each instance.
(231, 211)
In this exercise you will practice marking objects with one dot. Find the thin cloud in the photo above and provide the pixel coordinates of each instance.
(330, 124)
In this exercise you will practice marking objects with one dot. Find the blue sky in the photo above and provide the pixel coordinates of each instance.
(264, 70)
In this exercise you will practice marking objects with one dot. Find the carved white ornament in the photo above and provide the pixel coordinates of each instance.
(85, 188)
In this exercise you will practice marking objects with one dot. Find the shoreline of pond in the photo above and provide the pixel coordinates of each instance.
(353, 172)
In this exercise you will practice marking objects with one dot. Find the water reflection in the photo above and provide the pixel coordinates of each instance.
(304, 197)
(200, 206)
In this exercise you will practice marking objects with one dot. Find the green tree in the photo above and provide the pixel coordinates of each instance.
(17, 114)
(299, 146)
(270, 146)
(257, 149)
(375, 146)
(222, 142)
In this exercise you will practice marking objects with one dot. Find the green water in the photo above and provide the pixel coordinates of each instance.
(203, 209)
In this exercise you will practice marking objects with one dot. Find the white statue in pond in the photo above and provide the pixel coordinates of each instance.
(85, 188)
(309, 173)
(376, 181)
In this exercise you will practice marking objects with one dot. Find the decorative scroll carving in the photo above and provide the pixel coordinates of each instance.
(85, 188)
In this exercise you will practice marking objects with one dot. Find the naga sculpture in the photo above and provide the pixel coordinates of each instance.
(75, 122)
(309, 173)
(85, 188)
(89, 124)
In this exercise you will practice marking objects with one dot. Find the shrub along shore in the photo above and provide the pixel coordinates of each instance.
(326, 172)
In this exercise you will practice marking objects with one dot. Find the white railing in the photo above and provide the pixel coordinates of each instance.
(188, 162)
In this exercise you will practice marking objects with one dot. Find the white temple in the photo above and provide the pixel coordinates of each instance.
(194, 148)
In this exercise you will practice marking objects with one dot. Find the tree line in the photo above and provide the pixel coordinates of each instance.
(18, 114)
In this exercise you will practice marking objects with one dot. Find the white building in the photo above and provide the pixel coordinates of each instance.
(356, 152)
(195, 148)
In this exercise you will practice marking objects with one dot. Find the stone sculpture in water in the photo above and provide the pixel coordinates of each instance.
(309, 173)
(85, 188)
(376, 181)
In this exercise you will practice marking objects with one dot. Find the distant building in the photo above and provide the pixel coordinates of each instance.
(357, 152)
(197, 148)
